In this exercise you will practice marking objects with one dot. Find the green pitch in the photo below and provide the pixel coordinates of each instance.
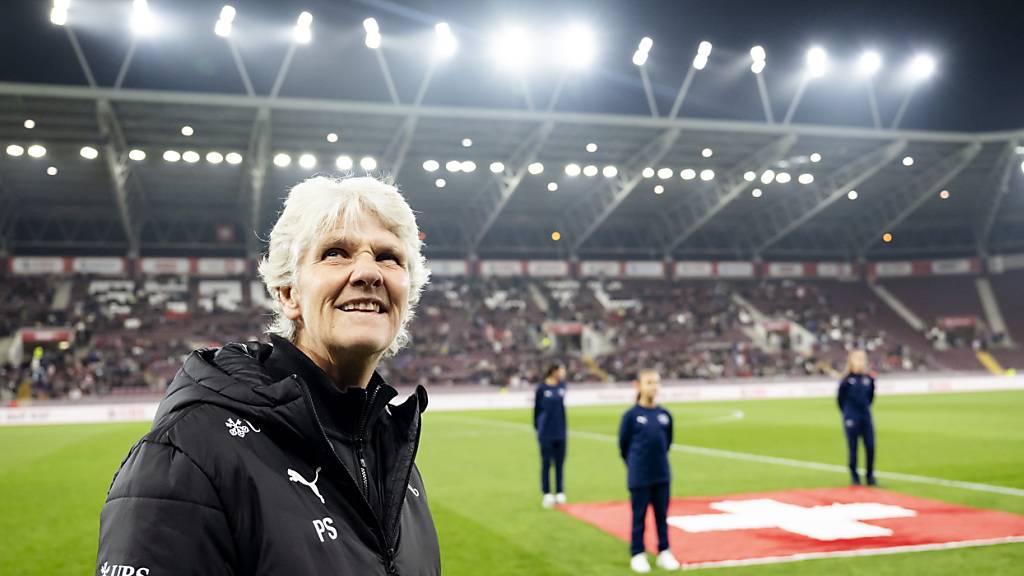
(481, 474)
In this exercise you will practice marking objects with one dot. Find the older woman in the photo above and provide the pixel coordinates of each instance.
(286, 458)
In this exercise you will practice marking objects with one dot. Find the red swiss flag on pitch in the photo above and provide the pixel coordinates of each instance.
(802, 524)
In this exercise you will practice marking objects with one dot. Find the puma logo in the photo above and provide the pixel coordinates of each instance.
(296, 477)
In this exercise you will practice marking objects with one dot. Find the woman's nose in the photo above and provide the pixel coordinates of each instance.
(366, 272)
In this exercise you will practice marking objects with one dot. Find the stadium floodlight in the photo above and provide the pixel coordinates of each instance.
(143, 22)
(187, 130)
(643, 50)
(817, 62)
(590, 170)
(852, 195)
(51, 171)
(659, 189)
(497, 167)
(511, 48)
(453, 166)
(552, 186)
(372, 29)
(572, 169)
(945, 193)
(610, 171)
(214, 157)
(592, 147)
(815, 158)
(29, 124)
(332, 137)
(577, 47)
(171, 156)
(368, 163)
(535, 168)
(768, 176)
(908, 161)
(445, 43)
(757, 67)
(758, 59)
(223, 26)
(343, 162)
(1022, 166)
(89, 153)
(1020, 149)
(887, 237)
(431, 165)
(664, 173)
(687, 174)
(707, 152)
(190, 156)
(37, 151)
(468, 166)
(440, 183)
(136, 155)
(869, 63)
(556, 236)
(307, 161)
(707, 174)
(233, 158)
(282, 160)
(59, 12)
(303, 31)
(647, 172)
(467, 142)
(756, 192)
(783, 178)
(750, 175)
(700, 61)
(15, 150)
(805, 178)
(922, 66)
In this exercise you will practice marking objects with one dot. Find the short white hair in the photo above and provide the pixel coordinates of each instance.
(311, 210)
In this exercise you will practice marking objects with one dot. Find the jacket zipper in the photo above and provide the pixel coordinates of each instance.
(361, 442)
(389, 549)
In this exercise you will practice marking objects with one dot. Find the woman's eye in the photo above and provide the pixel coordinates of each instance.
(334, 253)
(389, 256)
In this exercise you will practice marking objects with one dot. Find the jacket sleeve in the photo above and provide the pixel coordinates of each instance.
(536, 409)
(669, 432)
(163, 513)
(841, 398)
(625, 436)
(871, 394)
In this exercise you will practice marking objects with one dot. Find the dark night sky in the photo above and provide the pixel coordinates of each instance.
(979, 46)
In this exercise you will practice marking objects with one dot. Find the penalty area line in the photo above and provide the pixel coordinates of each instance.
(776, 460)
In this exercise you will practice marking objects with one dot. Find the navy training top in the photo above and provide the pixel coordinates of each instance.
(856, 393)
(645, 437)
(549, 411)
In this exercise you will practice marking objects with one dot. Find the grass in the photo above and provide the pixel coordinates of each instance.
(480, 470)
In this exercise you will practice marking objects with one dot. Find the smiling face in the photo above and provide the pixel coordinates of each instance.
(351, 293)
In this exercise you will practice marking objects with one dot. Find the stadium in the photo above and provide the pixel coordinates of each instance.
(732, 196)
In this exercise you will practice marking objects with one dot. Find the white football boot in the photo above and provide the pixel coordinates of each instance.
(666, 561)
(639, 564)
(560, 498)
(548, 501)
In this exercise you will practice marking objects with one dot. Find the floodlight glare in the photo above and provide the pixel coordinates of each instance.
(577, 47)
(664, 173)
(368, 163)
(431, 165)
(187, 131)
(445, 43)
(750, 176)
(642, 51)
(572, 169)
(852, 194)
(29, 124)
(756, 192)
(757, 67)
(552, 186)
(282, 160)
(647, 172)
(783, 178)
(343, 163)
(190, 156)
(535, 168)
(303, 31)
(758, 53)
(468, 166)
(89, 153)
(700, 62)
(143, 23)
(610, 171)
(467, 142)
(639, 58)
(37, 151)
(869, 63)
(768, 176)
(805, 178)
(590, 170)
(227, 13)
(1022, 166)
(15, 150)
(817, 62)
(332, 137)
(922, 66)
(137, 155)
(52, 171)
(233, 158)
(707, 174)
(659, 189)
(592, 147)
(59, 12)
(214, 157)
(497, 167)
(372, 33)
(440, 183)
(815, 158)
(908, 161)
(307, 161)
(707, 152)
(704, 49)
(687, 174)
(944, 194)
(511, 48)
(172, 156)
(453, 166)
(645, 44)
(223, 26)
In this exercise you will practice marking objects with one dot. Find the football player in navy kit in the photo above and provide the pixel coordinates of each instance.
(645, 437)
(856, 394)
(549, 421)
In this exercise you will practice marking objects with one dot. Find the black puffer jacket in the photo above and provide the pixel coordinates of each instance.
(238, 476)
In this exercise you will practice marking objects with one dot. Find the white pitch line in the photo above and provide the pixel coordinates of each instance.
(749, 457)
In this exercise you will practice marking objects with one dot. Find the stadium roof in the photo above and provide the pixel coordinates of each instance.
(709, 137)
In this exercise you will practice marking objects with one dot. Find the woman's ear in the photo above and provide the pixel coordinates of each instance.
(288, 298)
